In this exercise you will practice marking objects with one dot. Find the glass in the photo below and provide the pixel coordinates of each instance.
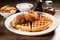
(39, 6)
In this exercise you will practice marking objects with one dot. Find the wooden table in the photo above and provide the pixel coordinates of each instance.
(5, 34)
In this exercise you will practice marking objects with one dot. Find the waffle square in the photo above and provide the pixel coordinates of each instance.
(24, 27)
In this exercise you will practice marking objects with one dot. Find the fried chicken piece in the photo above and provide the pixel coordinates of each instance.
(20, 18)
(28, 17)
(33, 14)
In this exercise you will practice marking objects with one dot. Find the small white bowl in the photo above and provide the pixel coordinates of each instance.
(5, 15)
(24, 6)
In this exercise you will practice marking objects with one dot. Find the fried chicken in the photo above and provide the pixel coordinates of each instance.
(20, 18)
(29, 17)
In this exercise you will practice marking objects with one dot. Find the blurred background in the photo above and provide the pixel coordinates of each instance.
(56, 3)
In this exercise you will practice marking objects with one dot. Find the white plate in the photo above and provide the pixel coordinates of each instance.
(51, 28)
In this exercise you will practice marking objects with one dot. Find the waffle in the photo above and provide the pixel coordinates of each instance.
(13, 22)
(23, 27)
(40, 25)
(34, 26)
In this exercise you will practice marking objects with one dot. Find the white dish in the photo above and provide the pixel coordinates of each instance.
(5, 15)
(24, 6)
(51, 28)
